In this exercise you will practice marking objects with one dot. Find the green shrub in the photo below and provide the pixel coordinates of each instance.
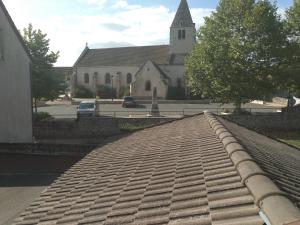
(83, 92)
(104, 91)
(124, 91)
(42, 116)
(176, 93)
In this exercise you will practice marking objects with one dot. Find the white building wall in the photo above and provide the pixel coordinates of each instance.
(15, 88)
(119, 75)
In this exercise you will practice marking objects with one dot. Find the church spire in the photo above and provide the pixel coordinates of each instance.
(183, 16)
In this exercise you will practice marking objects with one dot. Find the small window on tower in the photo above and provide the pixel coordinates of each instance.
(183, 34)
(179, 34)
(86, 78)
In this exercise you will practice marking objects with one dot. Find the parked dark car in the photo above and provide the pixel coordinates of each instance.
(129, 101)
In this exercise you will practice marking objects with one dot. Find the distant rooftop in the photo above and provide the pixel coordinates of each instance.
(125, 56)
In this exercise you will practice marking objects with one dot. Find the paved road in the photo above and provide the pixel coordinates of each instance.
(24, 177)
(69, 111)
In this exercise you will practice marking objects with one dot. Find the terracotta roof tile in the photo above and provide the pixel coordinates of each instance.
(178, 173)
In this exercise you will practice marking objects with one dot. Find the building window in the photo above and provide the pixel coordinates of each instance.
(1, 45)
(107, 78)
(86, 78)
(129, 78)
(181, 34)
(179, 83)
(148, 85)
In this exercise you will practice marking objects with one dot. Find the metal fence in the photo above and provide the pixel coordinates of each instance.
(143, 113)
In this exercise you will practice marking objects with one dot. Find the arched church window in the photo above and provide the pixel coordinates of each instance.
(86, 78)
(129, 78)
(107, 78)
(148, 85)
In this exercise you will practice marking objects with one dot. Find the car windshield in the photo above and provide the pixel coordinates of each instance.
(86, 106)
(128, 99)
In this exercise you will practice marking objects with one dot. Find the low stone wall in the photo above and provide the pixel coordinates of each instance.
(90, 127)
(82, 128)
(267, 122)
(46, 149)
(143, 121)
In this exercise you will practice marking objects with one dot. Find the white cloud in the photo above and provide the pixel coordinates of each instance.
(99, 3)
(122, 4)
(199, 14)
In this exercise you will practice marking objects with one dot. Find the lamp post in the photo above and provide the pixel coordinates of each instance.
(112, 87)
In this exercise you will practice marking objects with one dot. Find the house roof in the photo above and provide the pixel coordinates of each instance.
(126, 56)
(190, 171)
(13, 26)
(280, 161)
(183, 16)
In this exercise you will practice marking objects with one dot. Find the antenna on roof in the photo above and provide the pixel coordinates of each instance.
(86, 45)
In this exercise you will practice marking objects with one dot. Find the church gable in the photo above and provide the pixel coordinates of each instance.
(150, 75)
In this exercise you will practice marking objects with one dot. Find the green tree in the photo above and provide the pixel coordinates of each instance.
(45, 83)
(292, 23)
(238, 52)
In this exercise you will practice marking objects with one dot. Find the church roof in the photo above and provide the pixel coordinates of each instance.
(183, 16)
(125, 56)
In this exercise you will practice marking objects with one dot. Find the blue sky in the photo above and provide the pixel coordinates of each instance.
(69, 24)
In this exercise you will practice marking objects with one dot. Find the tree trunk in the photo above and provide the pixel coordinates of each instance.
(238, 107)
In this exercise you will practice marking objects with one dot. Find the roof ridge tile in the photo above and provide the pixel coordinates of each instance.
(272, 201)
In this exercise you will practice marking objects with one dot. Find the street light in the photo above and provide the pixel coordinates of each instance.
(112, 87)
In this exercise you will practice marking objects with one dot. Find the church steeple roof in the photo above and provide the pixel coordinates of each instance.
(183, 16)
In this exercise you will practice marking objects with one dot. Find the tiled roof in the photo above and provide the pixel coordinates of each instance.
(282, 162)
(183, 16)
(177, 173)
(126, 56)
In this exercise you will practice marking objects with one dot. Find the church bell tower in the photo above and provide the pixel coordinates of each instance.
(182, 31)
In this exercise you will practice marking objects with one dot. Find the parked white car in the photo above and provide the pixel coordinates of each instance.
(87, 108)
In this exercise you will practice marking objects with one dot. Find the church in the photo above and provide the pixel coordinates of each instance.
(137, 70)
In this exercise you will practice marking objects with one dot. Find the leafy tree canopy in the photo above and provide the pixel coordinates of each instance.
(292, 23)
(46, 84)
(239, 52)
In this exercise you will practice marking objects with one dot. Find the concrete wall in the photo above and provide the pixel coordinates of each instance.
(149, 73)
(89, 127)
(182, 46)
(267, 122)
(82, 128)
(15, 88)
